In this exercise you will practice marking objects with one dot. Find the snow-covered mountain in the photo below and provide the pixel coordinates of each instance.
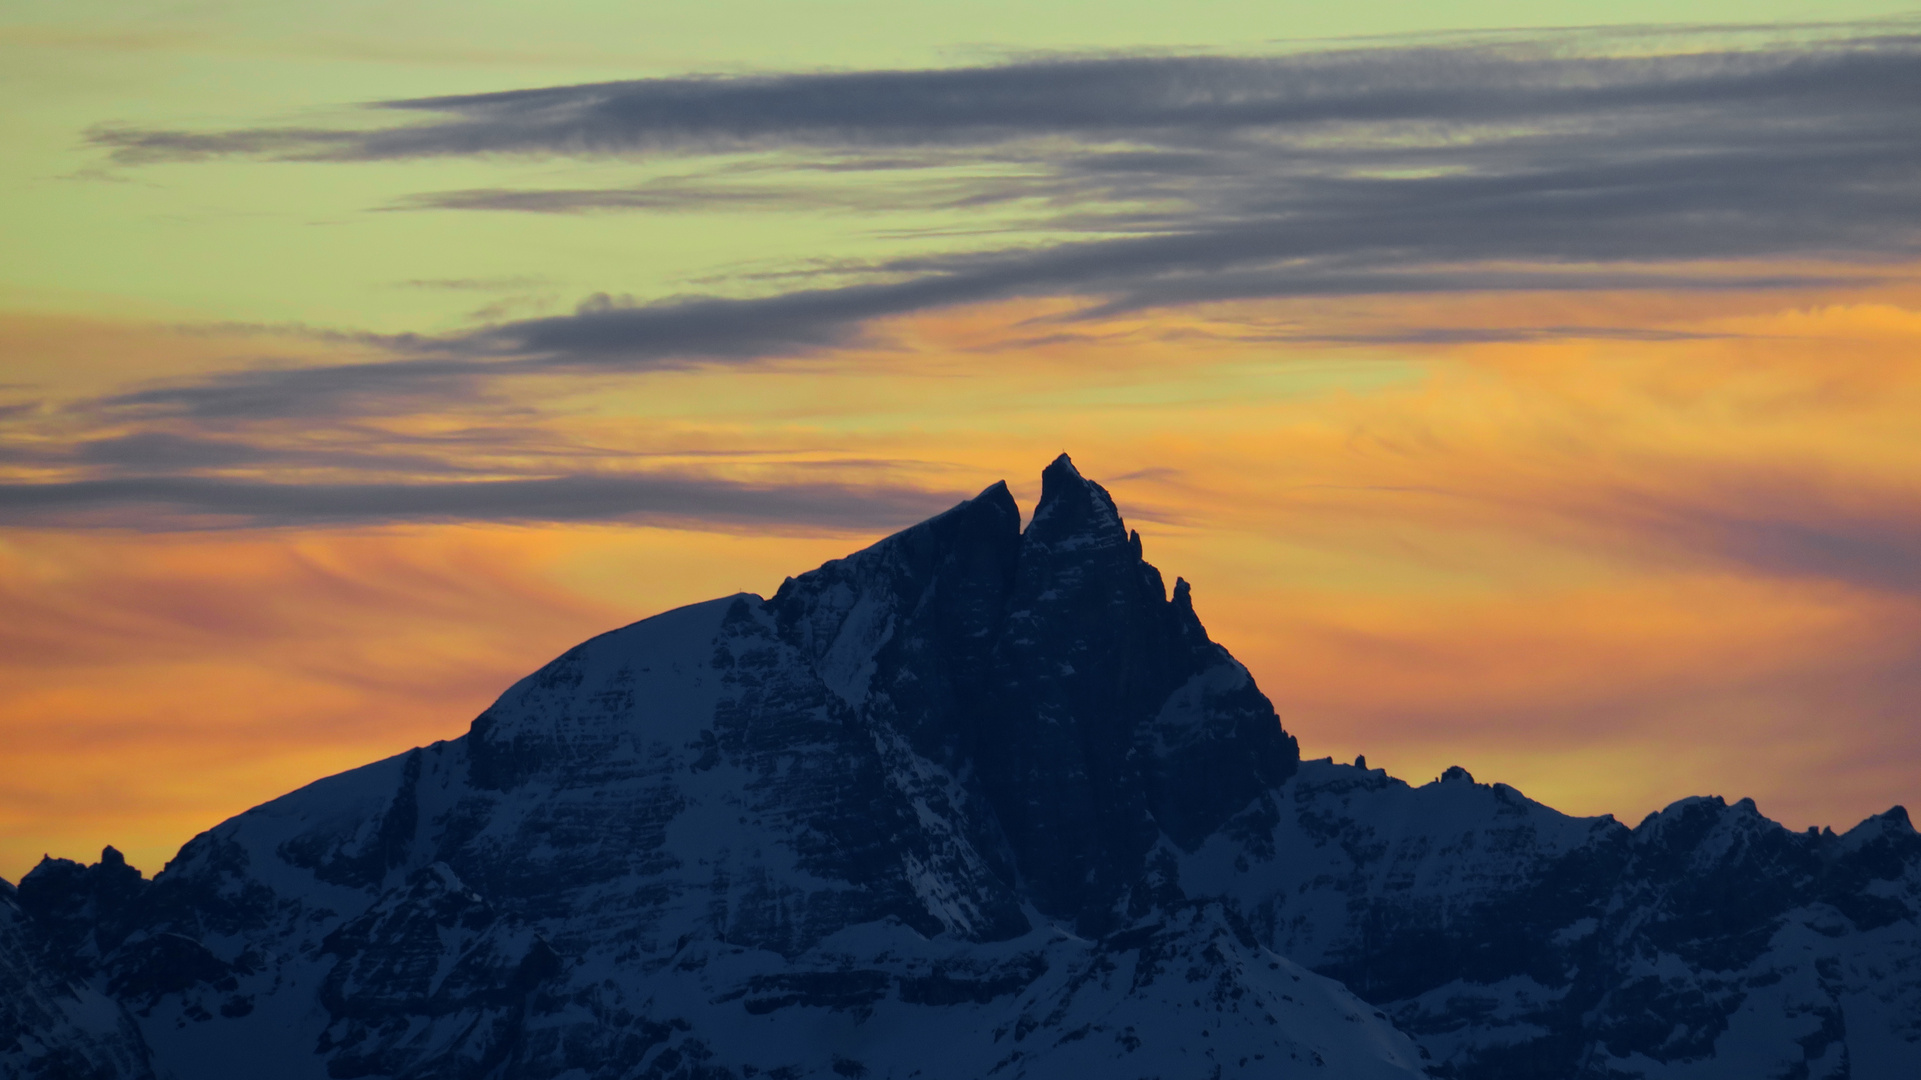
(976, 801)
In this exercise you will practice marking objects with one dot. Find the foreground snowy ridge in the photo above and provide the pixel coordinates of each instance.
(976, 801)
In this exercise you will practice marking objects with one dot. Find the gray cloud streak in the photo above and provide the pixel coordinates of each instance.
(1099, 99)
(607, 338)
(164, 503)
(334, 390)
(145, 453)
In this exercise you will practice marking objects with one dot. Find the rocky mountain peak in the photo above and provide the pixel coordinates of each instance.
(1074, 511)
(976, 800)
(1091, 713)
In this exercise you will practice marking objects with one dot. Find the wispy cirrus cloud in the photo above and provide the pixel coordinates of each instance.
(604, 335)
(422, 438)
(1559, 164)
(1765, 519)
(172, 502)
(1552, 150)
(1549, 150)
(1158, 100)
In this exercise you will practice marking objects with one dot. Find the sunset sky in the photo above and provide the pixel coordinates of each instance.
(1530, 387)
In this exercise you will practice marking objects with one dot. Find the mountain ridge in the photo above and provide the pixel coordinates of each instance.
(979, 786)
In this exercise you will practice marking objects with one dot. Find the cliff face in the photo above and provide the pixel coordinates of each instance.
(53, 1024)
(1088, 716)
(975, 801)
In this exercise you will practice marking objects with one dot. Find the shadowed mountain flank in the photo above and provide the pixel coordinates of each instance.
(1051, 666)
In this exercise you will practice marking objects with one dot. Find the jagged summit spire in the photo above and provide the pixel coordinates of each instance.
(1041, 663)
(1073, 510)
(1059, 475)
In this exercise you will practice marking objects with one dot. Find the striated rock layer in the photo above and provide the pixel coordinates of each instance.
(975, 801)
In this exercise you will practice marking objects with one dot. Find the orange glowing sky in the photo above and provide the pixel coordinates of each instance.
(1561, 425)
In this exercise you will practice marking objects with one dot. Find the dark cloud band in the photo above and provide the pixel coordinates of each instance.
(1108, 99)
(193, 502)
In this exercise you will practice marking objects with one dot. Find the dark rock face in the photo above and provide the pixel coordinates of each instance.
(1092, 713)
(975, 801)
(52, 1024)
(393, 980)
(84, 911)
(1105, 697)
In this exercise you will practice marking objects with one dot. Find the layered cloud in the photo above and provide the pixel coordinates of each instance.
(1573, 151)
(1128, 184)
(172, 502)
(1599, 79)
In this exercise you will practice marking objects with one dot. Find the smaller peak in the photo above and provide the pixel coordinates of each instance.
(50, 865)
(997, 497)
(1455, 772)
(1698, 809)
(110, 856)
(1360, 761)
(1893, 823)
(1061, 477)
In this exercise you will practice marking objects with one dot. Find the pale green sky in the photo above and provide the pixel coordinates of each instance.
(274, 242)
